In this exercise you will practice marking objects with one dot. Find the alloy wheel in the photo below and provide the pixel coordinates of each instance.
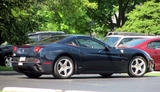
(63, 67)
(138, 67)
(8, 61)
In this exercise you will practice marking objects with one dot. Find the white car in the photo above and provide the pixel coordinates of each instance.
(118, 38)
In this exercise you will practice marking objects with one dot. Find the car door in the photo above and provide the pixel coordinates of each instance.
(154, 51)
(94, 57)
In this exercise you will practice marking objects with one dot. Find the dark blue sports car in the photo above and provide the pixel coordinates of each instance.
(66, 55)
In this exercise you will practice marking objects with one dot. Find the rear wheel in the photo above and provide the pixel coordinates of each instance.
(106, 75)
(8, 61)
(137, 67)
(63, 68)
(31, 75)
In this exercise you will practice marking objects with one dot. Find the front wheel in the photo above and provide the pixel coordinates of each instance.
(137, 67)
(63, 67)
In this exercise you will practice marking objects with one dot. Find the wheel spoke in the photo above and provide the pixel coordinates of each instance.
(66, 62)
(136, 61)
(68, 67)
(141, 64)
(60, 70)
(133, 66)
(65, 72)
(60, 63)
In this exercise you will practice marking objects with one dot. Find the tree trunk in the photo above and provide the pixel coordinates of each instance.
(1, 39)
(120, 13)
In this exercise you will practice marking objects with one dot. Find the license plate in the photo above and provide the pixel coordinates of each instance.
(22, 59)
(20, 63)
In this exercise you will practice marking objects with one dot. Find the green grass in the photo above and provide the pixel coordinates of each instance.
(152, 74)
(4, 68)
(0, 90)
(147, 74)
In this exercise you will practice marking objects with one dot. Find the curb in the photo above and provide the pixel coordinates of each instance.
(21, 89)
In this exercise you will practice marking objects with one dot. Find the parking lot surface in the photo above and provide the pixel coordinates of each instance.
(83, 82)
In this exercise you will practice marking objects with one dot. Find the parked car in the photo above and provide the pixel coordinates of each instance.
(37, 36)
(151, 46)
(66, 55)
(6, 55)
(116, 39)
(6, 50)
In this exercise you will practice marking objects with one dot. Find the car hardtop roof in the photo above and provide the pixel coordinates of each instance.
(149, 39)
(152, 39)
(128, 34)
(48, 32)
(78, 35)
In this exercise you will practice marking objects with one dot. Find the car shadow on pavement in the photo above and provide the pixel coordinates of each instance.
(91, 77)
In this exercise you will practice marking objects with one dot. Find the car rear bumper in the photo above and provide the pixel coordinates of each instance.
(27, 67)
(32, 65)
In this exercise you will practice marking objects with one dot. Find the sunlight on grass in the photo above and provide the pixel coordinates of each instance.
(152, 74)
(147, 74)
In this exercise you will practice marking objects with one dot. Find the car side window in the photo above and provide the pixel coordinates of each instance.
(73, 43)
(88, 43)
(154, 45)
(125, 40)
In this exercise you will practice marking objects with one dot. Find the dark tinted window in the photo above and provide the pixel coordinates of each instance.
(111, 41)
(53, 39)
(88, 43)
(154, 45)
(34, 38)
(134, 43)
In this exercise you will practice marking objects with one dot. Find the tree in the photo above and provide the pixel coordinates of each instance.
(70, 15)
(15, 21)
(144, 19)
(111, 14)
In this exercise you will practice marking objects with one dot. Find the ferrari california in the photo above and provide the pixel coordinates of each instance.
(66, 55)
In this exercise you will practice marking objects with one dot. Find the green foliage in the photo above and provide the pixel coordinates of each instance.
(70, 15)
(16, 22)
(6, 68)
(144, 19)
(19, 17)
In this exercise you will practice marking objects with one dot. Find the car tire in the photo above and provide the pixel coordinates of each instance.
(63, 68)
(31, 75)
(8, 61)
(106, 75)
(137, 67)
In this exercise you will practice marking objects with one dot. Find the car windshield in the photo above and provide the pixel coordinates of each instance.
(134, 43)
(53, 39)
(111, 41)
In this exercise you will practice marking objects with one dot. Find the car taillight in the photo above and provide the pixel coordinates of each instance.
(36, 61)
(24, 46)
(37, 48)
(14, 49)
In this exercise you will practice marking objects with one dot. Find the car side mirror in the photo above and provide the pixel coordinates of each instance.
(107, 47)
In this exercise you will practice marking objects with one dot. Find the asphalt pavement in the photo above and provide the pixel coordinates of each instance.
(83, 82)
